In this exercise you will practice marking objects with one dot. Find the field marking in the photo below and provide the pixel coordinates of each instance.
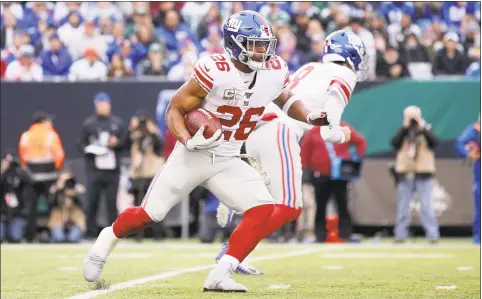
(332, 267)
(279, 286)
(378, 255)
(132, 255)
(446, 287)
(128, 255)
(164, 275)
(464, 268)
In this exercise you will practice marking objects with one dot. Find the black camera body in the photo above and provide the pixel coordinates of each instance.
(70, 183)
(413, 130)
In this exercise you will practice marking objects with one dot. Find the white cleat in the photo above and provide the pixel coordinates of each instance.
(227, 284)
(93, 266)
(97, 256)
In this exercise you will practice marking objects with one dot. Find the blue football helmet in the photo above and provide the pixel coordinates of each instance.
(243, 33)
(346, 46)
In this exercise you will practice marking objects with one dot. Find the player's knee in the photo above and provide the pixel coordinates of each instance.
(159, 214)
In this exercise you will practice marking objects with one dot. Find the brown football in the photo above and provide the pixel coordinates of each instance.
(198, 117)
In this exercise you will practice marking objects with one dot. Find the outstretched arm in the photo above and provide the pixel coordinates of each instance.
(328, 119)
(294, 108)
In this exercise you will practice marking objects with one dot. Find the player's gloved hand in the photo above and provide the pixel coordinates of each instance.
(317, 118)
(199, 142)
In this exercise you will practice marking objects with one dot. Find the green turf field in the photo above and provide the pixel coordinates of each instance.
(177, 270)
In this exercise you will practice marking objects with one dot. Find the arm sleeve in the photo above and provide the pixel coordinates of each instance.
(207, 68)
(359, 141)
(58, 151)
(123, 136)
(462, 141)
(157, 144)
(22, 148)
(432, 140)
(84, 137)
(339, 93)
(398, 138)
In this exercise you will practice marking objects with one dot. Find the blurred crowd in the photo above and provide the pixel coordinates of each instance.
(106, 40)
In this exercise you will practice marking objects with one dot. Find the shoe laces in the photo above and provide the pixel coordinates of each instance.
(96, 260)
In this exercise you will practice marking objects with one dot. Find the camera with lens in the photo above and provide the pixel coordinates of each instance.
(70, 183)
(142, 122)
(413, 130)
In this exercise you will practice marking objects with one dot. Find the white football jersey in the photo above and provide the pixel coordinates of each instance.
(312, 82)
(236, 98)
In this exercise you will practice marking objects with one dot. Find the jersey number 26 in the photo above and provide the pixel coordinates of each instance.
(246, 126)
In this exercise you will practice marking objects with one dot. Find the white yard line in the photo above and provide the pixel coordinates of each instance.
(378, 255)
(452, 287)
(279, 286)
(164, 275)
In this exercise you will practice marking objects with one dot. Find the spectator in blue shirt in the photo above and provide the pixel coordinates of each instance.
(38, 11)
(454, 12)
(56, 61)
(468, 146)
(132, 53)
(172, 33)
(392, 11)
(473, 71)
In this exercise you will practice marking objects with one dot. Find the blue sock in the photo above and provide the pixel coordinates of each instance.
(222, 252)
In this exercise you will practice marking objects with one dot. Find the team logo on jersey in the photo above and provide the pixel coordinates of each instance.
(229, 94)
(234, 25)
(235, 96)
(248, 95)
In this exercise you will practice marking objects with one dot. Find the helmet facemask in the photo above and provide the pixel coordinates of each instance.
(362, 71)
(252, 43)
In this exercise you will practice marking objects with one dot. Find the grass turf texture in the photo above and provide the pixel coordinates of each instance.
(413, 270)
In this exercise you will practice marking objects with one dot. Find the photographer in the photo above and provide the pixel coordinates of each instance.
(67, 219)
(13, 181)
(146, 157)
(414, 168)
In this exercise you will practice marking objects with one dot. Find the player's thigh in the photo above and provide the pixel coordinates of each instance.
(181, 173)
(280, 158)
(239, 186)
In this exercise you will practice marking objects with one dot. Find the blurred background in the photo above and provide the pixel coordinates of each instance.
(93, 79)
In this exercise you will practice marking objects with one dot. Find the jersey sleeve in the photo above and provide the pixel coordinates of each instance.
(340, 89)
(343, 82)
(205, 73)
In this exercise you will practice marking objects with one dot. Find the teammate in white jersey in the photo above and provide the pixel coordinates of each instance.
(236, 87)
(274, 143)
